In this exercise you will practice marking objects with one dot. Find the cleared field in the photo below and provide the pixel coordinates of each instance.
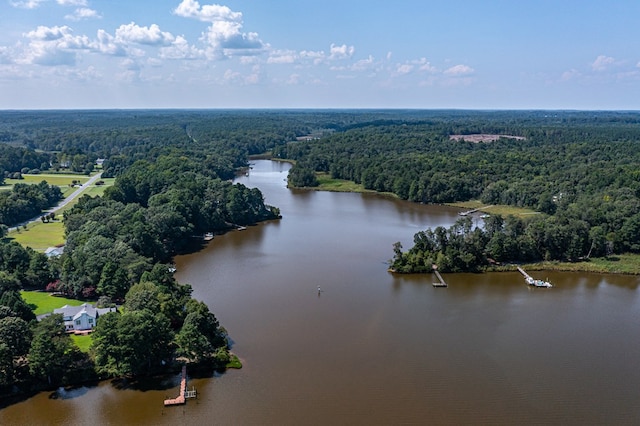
(39, 236)
(327, 183)
(44, 302)
(52, 179)
(494, 209)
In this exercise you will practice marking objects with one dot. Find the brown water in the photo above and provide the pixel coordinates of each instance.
(374, 348)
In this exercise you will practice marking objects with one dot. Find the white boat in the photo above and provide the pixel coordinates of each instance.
(538, 283)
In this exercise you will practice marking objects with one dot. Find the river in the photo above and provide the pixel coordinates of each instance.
(375, 348)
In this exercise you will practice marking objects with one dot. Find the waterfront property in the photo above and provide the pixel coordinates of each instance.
(82, 318)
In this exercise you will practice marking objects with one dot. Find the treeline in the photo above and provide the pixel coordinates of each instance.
(123, 137)
(24, 202)
(581, 169)
(17, 159)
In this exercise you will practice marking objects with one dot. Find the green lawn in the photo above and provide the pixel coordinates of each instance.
(45, 302)
(52, 179)
(83, 342)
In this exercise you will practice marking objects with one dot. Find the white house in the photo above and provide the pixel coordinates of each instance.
(81, 318)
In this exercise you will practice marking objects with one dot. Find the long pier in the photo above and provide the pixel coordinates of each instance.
(441, 282)
(469, 212)
(526, 276)
(532, 281)
(181, 398)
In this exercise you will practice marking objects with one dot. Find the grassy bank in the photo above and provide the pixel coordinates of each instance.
(502, 210)
(618, 264)
(327, 183)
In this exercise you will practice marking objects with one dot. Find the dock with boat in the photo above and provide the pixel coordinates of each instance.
(532, 281)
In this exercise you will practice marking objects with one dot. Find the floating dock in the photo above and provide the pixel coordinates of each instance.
(441, 282)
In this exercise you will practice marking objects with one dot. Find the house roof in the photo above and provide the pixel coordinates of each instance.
(54, 251)
(76, 311)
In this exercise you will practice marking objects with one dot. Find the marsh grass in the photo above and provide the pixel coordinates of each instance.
(500, 209)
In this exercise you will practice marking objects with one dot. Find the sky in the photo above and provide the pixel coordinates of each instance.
(431, 54)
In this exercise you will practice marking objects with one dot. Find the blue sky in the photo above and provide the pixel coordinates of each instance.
(480, 54)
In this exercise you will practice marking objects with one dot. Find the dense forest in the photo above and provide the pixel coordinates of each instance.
(119, 248)
(580, 171)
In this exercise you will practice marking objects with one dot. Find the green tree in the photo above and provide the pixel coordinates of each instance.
(201, 335)
(114, 281)
(106, 346)
(52, 351)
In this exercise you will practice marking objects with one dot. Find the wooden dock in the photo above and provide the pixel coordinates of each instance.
(441, 282)
(527, 276)
(181, 398)
(469, 212)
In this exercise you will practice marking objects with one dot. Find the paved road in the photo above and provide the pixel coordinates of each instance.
(64, 202)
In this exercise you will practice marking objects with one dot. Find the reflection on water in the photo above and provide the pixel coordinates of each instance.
(378, 348)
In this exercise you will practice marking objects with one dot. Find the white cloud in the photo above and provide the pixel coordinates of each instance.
(224, 37)
(53, 46)
(153, 36)
(459, 70)
(72, 2)
(33, 4)
(107, 44)
(316, 57)
(27, 4)
(83, 13)
(425, 66)
(341, 52)
(207, 13)
(364, 64)
(180, 49)
(403, 69)
(282, 57)
(570, 75)
(602, 62)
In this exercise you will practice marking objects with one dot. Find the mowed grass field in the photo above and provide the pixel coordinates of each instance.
(63, 181)
(45, 302)
(40, 236)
